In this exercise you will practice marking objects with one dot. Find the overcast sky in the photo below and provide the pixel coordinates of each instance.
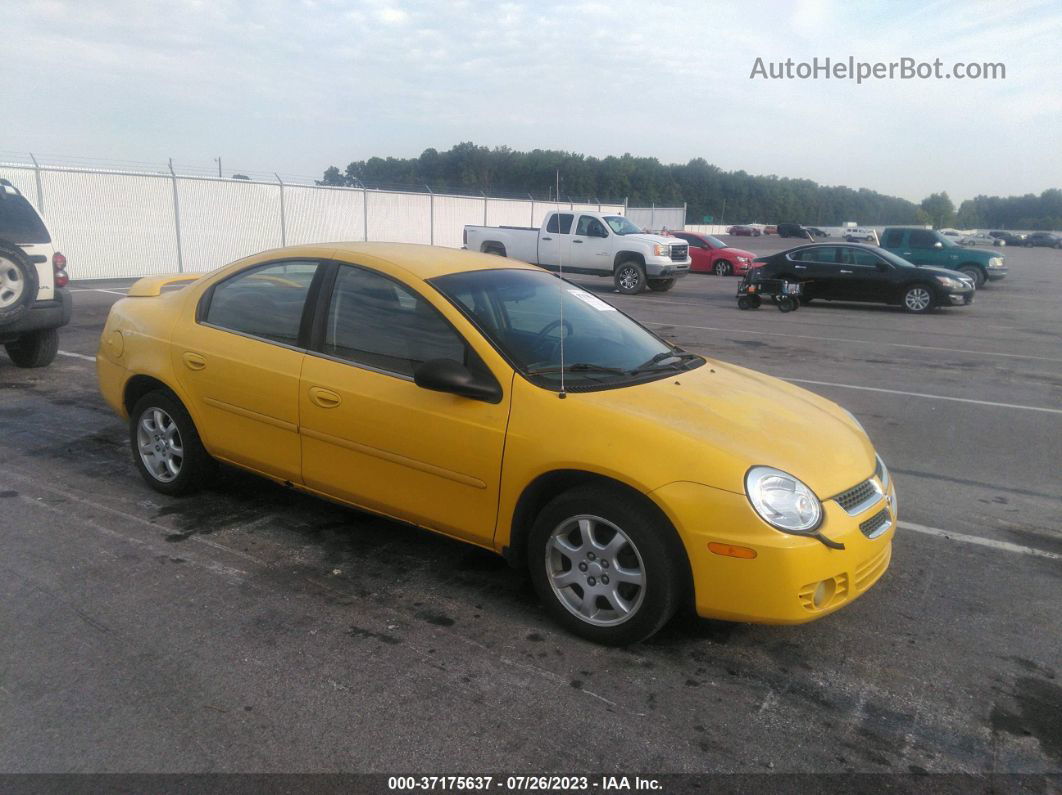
(297, 86)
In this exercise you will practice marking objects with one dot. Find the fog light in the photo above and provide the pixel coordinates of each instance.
(824, 592)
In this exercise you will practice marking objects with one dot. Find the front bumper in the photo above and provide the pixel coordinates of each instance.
(961, 299)
(779, 584)
(664, 268)
(995, 274)
(41, 315)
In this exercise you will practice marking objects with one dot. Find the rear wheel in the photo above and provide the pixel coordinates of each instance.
(918, 299)
(721, 267)
(166, 445)
(629, 277)
(36, 349)
(661, 285)
(605, 565)
(787, 303)
(18, 282)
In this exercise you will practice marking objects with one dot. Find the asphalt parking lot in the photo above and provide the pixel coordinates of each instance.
(253, 629)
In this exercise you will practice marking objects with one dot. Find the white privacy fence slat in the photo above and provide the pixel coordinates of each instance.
(122, 224)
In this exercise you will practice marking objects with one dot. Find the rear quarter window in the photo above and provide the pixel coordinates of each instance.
(19, 222)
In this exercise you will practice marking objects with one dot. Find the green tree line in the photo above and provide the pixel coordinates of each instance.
(727, 196)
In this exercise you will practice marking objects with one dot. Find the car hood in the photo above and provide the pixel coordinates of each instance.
(718, 420)
(938, 271)
(656, 239)
(737, 252)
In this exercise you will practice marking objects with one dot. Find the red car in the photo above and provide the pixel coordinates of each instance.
(712, 255)
(743, 231)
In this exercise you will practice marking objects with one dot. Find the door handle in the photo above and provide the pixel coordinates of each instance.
(800, 267)
(844, 271)
(907, 253)
(193, 361)
(325, 398)
(577, 241)
(547, 238)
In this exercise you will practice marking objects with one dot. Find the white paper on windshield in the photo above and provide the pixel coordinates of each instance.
(592, 300)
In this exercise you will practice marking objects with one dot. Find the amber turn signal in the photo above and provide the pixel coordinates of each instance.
(731, 551)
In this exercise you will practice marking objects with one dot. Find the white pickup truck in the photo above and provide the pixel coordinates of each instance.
(596, 244)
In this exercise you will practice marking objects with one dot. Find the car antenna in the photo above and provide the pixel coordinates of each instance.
(560, 269)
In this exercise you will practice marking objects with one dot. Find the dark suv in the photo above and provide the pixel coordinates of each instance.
(1048, 239)
(852, 272)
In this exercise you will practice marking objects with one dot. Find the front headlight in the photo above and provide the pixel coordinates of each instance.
(783, 501)
(661, 250)
(995, 262)
(953, 284)
(882, 472)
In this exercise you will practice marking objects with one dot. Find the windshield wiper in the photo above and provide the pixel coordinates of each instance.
(578, 367)
(679, 355)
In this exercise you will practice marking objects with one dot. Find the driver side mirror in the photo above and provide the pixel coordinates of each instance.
(446, 375)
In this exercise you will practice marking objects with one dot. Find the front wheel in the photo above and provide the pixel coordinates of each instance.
(166, 445)
(787, 303)
(35, 349)
(974, 273)
(721, 267)
(917, 299)
(661, 285)
(629, 278)
(606, 566)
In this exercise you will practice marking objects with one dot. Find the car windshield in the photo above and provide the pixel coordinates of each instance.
(715, 242)
(520, 312)
(621, 225)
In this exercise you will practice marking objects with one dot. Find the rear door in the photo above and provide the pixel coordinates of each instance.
(817, 268)
(555, 241)
(239, 360)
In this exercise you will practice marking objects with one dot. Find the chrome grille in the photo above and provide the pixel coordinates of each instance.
(876, 524)
(679, 253)
(859, 497)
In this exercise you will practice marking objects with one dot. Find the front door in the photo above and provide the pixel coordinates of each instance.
(239, 361)
(863, 276)
(590, 246)
(372, 437)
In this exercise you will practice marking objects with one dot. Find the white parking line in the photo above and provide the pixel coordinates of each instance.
(73, 355)
(858, 342)
(1006, 546)
(98, 290)
(923, 395)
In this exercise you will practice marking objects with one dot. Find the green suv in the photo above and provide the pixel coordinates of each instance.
(921, 246)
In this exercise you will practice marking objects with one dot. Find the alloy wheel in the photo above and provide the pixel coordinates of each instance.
(917, 299)
(160, 445)
(595, 570)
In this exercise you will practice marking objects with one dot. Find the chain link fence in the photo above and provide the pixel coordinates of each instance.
(120, 224)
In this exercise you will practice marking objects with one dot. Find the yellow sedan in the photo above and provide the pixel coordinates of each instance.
(495, 403)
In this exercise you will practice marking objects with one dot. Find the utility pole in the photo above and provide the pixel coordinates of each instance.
(218, 158)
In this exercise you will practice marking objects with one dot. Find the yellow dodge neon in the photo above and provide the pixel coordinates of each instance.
(495, 403)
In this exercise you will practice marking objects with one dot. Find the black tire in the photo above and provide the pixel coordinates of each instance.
(918, 303)
(744, 302)
(629, 277)
(722, 268)
(787, 303)
(35, 349)
(650, 547)
(661, 285)
(18, 283)
(195, 466)
(974, 273)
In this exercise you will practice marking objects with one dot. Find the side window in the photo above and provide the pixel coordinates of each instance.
(380, 323)
(867, 259)
(893, 239)
(266, 301)
(922, 238)
(819, 254)
(597, 229)
(584, 226)
(563, 225)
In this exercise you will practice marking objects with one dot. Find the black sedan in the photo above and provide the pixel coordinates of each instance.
(1010, 238)
(852, 272)
(1044, 239)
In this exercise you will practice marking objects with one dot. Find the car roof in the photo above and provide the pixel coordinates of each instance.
(419, 261)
